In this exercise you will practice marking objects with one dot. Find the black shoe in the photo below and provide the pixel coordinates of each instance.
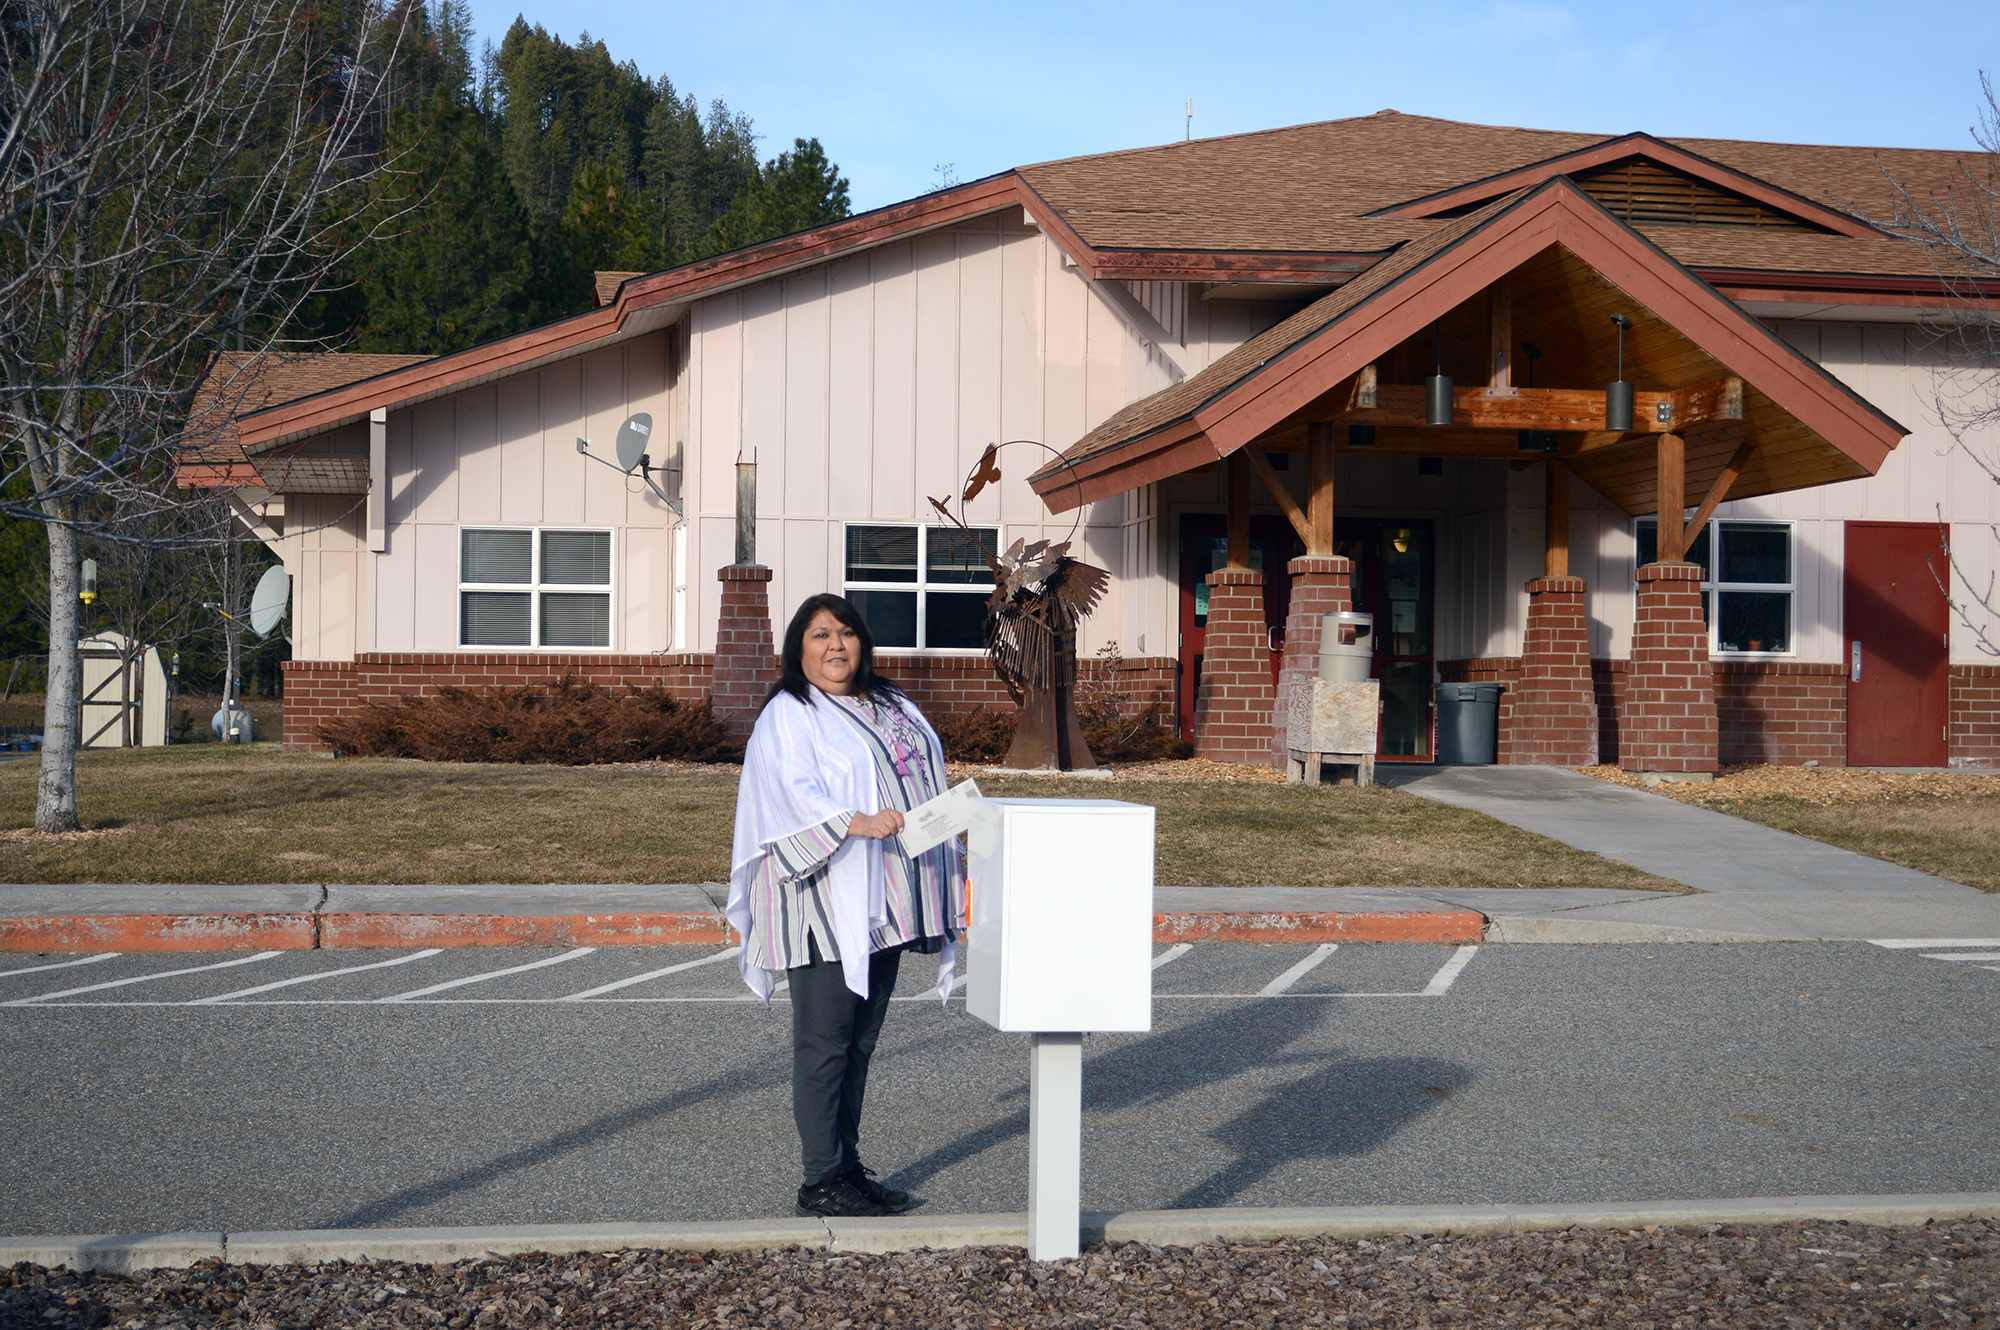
(863, 1180)
(837, 1198)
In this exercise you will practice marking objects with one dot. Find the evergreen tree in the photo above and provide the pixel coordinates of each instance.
(795, 191)
(457, 264)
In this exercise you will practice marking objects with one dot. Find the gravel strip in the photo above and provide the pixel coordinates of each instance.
(1795, 1275)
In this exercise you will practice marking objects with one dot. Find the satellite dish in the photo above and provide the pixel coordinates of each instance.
(633, 436)
(268, 601)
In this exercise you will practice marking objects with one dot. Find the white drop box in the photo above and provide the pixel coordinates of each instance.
(1062, 915)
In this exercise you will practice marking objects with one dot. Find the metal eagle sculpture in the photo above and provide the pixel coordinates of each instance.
(1040, 596)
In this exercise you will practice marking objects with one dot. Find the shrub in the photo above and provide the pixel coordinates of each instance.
(977, 735)
(567, 722)
(1116, 737)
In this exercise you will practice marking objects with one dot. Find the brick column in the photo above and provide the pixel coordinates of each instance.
(1669, 720)
(1554, 717)
(746, 664)
(1321, 585)
(1232, 714)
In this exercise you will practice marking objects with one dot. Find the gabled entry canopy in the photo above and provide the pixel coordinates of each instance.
(1545, 266)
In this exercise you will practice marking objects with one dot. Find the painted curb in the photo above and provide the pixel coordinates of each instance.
(1164, 1228)
(362, 929)
(159, 932)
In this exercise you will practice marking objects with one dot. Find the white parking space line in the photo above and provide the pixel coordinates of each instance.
(61, 965)
(490, 974)
(1299, 971)
(1172, 954)
(1919, 943)
(141, 979)
(1961, 955)
(1446, 976)
(614, 986)
(312, 978)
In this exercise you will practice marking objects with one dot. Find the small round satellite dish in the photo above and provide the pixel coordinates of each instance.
(268, 601)
(633, 436)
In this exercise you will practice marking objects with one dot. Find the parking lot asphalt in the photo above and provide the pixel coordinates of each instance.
(235, 1091)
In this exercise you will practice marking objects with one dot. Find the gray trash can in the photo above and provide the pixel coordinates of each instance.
(1468, 723)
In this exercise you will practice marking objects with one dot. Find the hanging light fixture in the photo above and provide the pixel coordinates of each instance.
(1361, 436)
(1437, 388)
(1533, 440)
(1618, 394)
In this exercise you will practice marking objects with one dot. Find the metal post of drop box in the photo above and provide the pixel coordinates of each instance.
(1055, 1146)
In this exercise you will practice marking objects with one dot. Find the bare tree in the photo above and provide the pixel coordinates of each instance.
(176, 177)
(1960, 227)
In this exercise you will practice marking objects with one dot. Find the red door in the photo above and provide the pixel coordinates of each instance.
(1204, 548)
(1898, 650)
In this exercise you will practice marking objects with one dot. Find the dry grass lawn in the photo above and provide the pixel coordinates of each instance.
(1946, 823)
(210, 813)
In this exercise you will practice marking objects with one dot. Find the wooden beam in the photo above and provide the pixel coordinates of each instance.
(1720, 489)
(1672, 491)
(1278, 491)
(1555, 519)
(1361, 397)
(1719, 399)
(1558, 410)
(1597, 441)
(1319, 491)
(1239, 510)
(1499, 364)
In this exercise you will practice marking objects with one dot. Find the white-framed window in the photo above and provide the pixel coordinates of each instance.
(921, 587)
(1749, 577)
(546, 587)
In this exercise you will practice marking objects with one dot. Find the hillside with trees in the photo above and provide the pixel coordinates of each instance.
(516, 174)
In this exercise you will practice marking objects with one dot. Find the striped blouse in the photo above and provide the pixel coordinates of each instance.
(924, 897)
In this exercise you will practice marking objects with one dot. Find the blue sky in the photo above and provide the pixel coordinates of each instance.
(896, 90)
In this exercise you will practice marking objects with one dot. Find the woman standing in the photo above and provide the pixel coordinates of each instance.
(819, 886)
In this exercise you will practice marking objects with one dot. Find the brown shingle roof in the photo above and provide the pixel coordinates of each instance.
(1191, 394)
(1308, 187)
(241, 383)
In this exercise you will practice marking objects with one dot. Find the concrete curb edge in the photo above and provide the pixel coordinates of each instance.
(125, 1253)
(343, 930)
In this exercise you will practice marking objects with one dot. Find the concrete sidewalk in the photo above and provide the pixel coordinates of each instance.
(1758, 884)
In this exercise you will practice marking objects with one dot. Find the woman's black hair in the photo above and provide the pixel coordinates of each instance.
(791, 657)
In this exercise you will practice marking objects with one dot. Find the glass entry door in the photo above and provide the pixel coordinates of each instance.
(1394, 575)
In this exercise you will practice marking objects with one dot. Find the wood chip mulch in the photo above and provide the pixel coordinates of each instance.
(1195, 770)
(1797, 1275)
(1815, 785)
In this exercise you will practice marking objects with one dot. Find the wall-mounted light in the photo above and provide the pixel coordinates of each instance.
(1361, 436)
(1618, 394)
(1437, 388)
(88, 592)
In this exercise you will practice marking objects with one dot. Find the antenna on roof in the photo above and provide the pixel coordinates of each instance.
(1187, 136)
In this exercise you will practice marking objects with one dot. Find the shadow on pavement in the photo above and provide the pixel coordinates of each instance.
(1340, 1106)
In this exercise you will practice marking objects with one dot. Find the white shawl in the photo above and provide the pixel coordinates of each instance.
(803, 766)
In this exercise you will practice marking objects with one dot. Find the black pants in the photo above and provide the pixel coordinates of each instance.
(833, 1037)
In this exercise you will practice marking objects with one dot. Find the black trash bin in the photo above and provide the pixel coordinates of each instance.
(1468, 724)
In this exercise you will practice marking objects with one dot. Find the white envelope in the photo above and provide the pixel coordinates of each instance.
(936, 821)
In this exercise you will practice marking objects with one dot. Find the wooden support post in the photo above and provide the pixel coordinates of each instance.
(1671, 487)
(1319, 493)
(1499, 365)
(1293, 514)
(1239, 510)
(1720, 489)
(1555, 519)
